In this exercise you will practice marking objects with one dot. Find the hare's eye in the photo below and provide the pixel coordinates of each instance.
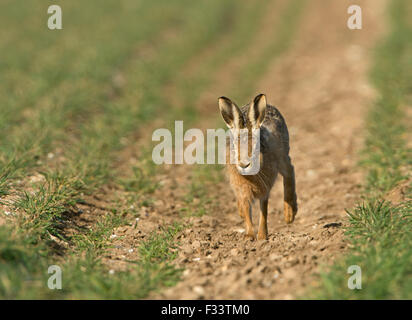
(262, 146)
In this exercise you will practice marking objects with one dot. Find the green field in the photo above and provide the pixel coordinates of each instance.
(73, 103)
(379, 231)
(71, 100)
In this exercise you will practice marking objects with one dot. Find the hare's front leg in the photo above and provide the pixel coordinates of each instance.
(245, 211)
(289, 189)
(263, 225)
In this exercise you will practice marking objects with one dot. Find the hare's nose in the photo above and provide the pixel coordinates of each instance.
(244, 165)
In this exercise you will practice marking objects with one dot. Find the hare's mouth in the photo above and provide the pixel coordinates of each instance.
(243, 165)
(248, 169)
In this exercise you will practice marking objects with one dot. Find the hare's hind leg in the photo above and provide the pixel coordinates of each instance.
(263, 226)
(289, 190)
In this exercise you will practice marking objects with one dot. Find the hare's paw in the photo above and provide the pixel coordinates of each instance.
(262, 235)
(250, 234)
(263, 231)
(289, 212)
(250, 237)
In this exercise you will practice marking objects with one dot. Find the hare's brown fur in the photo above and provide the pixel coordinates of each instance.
(274, 159)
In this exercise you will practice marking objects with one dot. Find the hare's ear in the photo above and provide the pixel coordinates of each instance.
(230, 113)
(257, 111)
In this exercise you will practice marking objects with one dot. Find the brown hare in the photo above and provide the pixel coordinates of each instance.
(273, 158)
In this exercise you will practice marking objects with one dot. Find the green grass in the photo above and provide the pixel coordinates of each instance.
(380, 240)
(386, 155)
(152, 271)
(23, 273)
(379, 231)
(68, 80)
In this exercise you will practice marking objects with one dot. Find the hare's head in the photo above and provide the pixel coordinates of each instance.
(245, 132)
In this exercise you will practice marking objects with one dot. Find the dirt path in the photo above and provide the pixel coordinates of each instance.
(320, 85)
